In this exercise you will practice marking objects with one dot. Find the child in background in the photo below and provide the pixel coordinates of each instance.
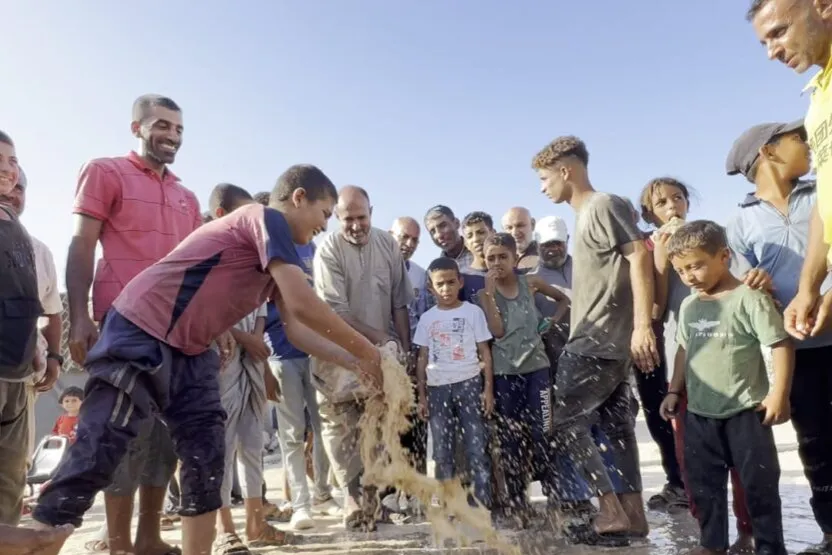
(454, 378)
(731, 408)
(476, 227)
(665, 202)
(67, 424)
(522, 380)
(244, 398)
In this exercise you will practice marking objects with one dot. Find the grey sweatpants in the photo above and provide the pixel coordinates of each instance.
(14, 449)
(298, 396)
(340, 434)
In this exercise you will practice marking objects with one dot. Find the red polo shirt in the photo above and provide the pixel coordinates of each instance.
(144, 218)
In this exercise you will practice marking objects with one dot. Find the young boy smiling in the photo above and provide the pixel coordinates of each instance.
(154, 352)
(731, 409)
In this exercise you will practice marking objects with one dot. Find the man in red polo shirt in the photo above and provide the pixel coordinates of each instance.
(139, 211)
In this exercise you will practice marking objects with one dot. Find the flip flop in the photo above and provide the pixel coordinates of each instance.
(271, 537)
(97, 546)
(230, 544)
(586, 535)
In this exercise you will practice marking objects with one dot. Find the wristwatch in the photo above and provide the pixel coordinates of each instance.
(56, 357)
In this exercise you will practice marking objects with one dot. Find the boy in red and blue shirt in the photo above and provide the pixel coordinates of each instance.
(154, 351)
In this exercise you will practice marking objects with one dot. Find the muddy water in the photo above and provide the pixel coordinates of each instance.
(668, 536)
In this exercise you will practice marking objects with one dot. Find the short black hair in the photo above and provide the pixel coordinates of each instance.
(698, 234)
(307, 177)
(478, 217)
(4, 138)
(207, 217)
(443, 263)
(502, 239)
(262, 197)
(72, 391)
(228, 197)
(145, 102)
(754, 9)
(439, 210)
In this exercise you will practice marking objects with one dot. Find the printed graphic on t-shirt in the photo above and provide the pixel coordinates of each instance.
(447, 340)
(702, 325)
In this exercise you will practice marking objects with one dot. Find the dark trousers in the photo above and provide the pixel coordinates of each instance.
(524, 402)
(811, 401)
(712, 446)
(415, 440)
(590, 391)
(132, 375)
(652, 389)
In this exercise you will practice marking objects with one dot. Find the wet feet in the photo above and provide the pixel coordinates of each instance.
(672, 499)
(40, 539)
(699, 550)
(157, 547)
(823, 548)
(743, 546)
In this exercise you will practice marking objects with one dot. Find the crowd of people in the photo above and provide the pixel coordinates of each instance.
(524, 344)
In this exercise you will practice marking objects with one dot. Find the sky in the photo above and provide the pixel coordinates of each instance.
(421, 103)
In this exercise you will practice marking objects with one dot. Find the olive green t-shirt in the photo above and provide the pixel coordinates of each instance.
(725, 373)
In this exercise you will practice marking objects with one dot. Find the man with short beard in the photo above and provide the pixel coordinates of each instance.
(139, 212)
(359, 271)
(443, 227)
(518, 223)
(798, 33)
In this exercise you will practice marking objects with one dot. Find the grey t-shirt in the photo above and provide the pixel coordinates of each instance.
(676, 293)
(560, 278)
(601, 320)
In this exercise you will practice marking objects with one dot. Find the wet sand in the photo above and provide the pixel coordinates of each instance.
(669, 535)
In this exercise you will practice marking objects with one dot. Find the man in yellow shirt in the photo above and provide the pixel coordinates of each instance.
(798, 33)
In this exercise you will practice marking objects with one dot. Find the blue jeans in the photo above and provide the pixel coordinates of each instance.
(458, 407)
(570, 485)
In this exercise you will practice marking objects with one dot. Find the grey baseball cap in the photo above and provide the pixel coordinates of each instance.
(745, 150)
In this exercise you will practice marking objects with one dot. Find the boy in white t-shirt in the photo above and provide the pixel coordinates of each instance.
(455, 379)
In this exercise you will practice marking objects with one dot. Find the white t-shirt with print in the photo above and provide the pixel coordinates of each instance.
(451, 337)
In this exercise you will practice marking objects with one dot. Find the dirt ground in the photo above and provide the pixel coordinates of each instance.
(668, 536)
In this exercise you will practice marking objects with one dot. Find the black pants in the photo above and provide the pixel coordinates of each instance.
(652, 389)
(712, 446)
(416, 442)
(811, 401)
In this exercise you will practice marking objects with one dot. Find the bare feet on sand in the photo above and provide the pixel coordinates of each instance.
(40, 540)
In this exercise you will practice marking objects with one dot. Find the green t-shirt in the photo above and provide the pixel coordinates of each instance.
(725, 373)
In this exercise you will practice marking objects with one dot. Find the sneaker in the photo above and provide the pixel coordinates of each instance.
(302, 520)
(326, 507)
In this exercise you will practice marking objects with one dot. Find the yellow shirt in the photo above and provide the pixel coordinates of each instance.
(818, 125)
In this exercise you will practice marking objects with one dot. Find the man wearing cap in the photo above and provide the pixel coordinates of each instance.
(50, 300)
(443, 227)
(518, 223)
(771, 232)
(555, 262)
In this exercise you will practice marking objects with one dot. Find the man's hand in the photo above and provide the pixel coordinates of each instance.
(227, 346)
(777, 409)
(424, 413)
(272, 386)
(802, 317)
(53, 369)
(83, 333)
(255, 346)
(643, 349)
(757, 278)
(488, 402)
(669, 407)
(369, 372)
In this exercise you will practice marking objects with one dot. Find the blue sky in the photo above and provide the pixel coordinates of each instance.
(419, 102)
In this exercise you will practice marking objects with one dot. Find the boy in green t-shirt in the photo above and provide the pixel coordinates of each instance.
(731, 409)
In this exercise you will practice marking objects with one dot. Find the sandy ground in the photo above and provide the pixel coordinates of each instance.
(669, 535)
